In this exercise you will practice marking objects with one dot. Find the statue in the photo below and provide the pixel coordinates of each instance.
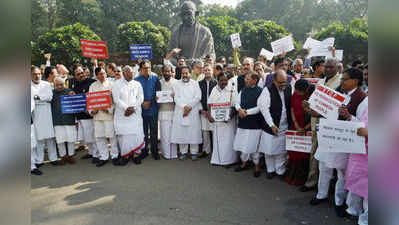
(194, 39)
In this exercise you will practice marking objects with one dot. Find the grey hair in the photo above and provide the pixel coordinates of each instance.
(260, 63)
(333, 60)
(252, 60)
(59, 79)
(125, 68)
(296, 61)
(196, 63)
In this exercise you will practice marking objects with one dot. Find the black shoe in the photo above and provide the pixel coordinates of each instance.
(270, 175)
(257, 174)
(36, 171)
(316, 201)
(306, 189)
(144, 154)
(341, 211)
(56, 163)
(115, 162)
(87, 156)
(239, 169)
(95, 160)
(123, 161)
(38, 165)
(156, 156)
(101, 163)
(281, 177)
(137, 160)
(203, 155)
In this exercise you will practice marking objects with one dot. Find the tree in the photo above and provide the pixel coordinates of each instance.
(144, 33)
(222, 27)
(352, 38)
(64, 43)
(258, 34)
(39, 19)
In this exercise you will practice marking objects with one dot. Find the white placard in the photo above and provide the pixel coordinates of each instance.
(326, 101)
(285, 44)
(311, 43)
(164, 96)
(340, 136)
(320, 48)
(235, 40)
(298, 143)
(268, 54)
(221, 111)
(339, 54)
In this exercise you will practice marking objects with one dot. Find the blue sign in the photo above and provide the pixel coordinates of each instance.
(73, 103)
(140, 51)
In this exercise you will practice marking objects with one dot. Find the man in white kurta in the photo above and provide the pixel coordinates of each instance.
(274, 103)
(33, 169)
(186, 128)
(169, 150)
(104, 121)
(42, 119)
(128, 96)
(224, 131)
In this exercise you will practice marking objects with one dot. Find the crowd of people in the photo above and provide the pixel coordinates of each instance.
(264, 100)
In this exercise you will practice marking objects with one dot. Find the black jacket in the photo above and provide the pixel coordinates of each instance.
(60, 119)
(205, 92)
(83, 87)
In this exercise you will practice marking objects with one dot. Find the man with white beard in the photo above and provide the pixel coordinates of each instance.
(42, 119)
(169, 150)
(128, 96)
(186, 128)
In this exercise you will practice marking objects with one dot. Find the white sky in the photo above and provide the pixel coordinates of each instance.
(222, 2)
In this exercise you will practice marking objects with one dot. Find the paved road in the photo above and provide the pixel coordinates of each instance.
(169, 193)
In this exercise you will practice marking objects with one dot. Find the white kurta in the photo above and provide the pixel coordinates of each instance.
(42, 118)
(223, 132)
(270, 144)
(187, 130)
(247, 140)
(65, 134)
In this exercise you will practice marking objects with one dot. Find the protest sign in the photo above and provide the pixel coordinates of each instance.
(164, 96)
(220, 111)
(294, 141)
(235, 40)
(73, 103)
(310, 43)
(326, 101)
(340, 136)
(98, 100)
(313, 80)
(94, 49)
(285, 44)
(268, 54)
(140, 51)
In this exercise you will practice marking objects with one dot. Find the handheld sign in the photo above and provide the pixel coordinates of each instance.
(235, 40)
(285, 44)
(73, 103)
(268, 54)
(313, 80)
(298, 143)
(94, 49)
(164, 96)
(221, 111)
(326, 102)
(140, 51)
(340, 136)
(98, 100)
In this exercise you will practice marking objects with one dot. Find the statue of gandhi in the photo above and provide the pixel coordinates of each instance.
(194, 39)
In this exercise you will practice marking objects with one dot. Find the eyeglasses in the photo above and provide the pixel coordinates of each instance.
(118, 71)
(345, 79)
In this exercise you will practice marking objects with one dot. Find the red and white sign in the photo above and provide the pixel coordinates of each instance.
(298, 142)
(313, 80)
(94, 49)
(98, 100)
(326, 101)
(220, 111)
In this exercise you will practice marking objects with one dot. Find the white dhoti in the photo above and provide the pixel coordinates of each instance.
(65, 134)
(51, 149)
(63, 151)
(131, 143)
(193, 149)
(86, 130)
(206, 134)
(247, 140)
(275, 152)
(104, 128)
(358, 206)
(33, 144)
(325, 176)
(223, 138)
(169, 150)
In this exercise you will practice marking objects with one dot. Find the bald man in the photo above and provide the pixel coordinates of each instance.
(275, 105)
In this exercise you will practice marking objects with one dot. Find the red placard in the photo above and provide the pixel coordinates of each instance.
(98, 100)
(94, 49)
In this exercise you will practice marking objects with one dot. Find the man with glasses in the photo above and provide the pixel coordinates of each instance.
(275, 105)
(151, 85)
(118, 73)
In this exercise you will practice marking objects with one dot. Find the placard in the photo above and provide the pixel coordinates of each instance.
(235, 40)
(73, 103)
(268, 54)
(164, 96)
(98, 100)
(285, 44)
(298, 142)
(313, 80)
(94, 49)
(326, 101)
(140, 51)
(340, 136)
(220, 111)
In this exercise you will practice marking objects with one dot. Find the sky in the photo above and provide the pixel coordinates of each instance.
(222, 2)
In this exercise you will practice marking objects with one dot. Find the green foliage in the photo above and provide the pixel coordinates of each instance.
(222, 27)
(352, 38)
(144, 33)
(64, 43)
